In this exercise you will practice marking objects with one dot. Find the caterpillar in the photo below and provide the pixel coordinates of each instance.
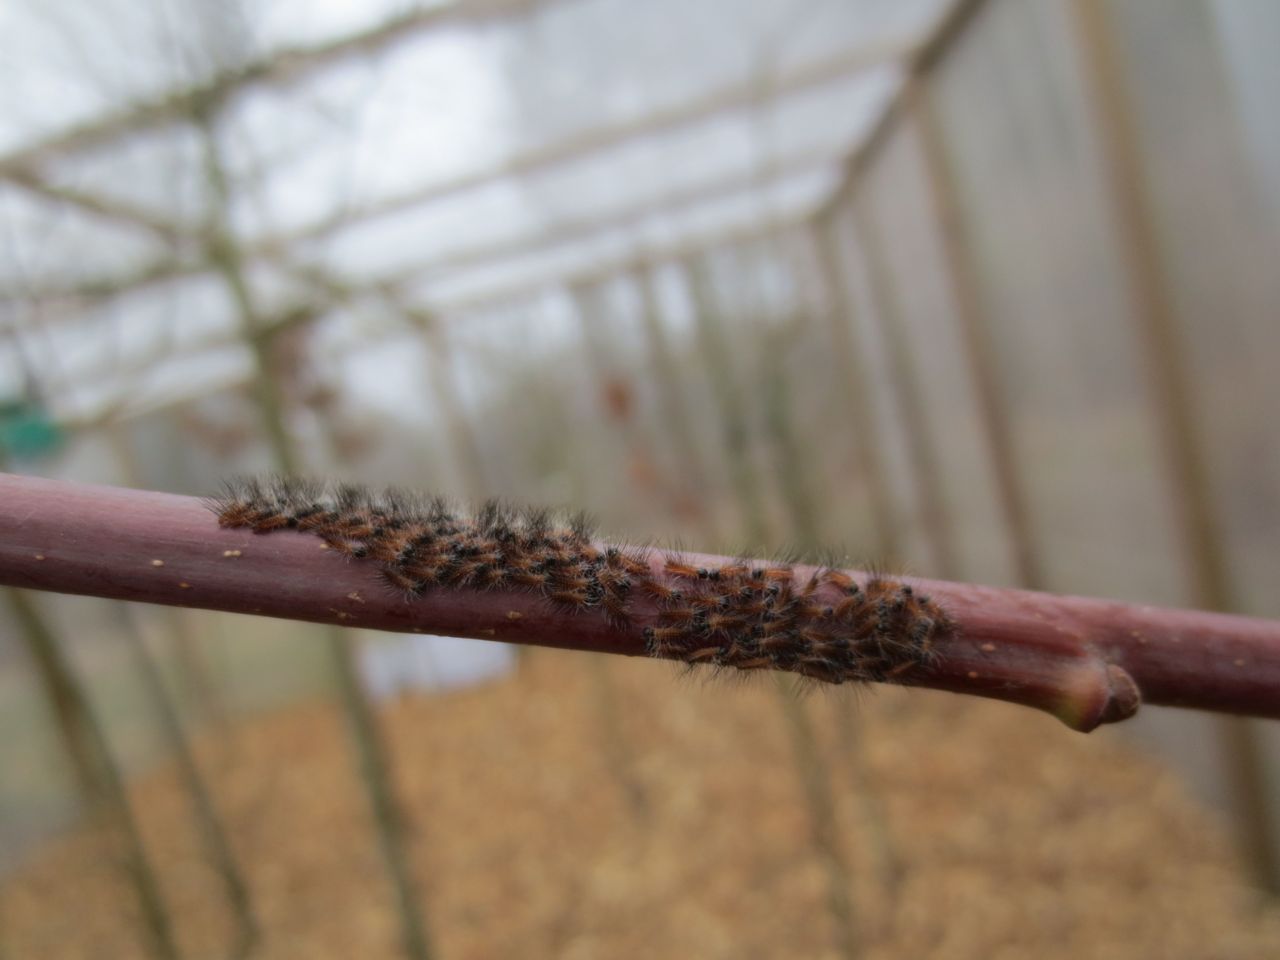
(736, 614)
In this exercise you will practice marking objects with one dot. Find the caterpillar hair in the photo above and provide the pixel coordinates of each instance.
(740, 614)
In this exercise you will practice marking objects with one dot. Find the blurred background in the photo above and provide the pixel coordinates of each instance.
(973, 290)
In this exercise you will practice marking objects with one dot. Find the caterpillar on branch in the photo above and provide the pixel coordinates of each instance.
(822, 625)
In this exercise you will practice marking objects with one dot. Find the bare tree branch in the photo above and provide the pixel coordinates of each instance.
(1087, 661)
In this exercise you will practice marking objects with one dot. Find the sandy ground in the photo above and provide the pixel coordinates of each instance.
(539, 828)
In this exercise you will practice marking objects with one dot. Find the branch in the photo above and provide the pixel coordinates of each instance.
(1086, 661)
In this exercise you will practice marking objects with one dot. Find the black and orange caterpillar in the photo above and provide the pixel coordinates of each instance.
(743, 614)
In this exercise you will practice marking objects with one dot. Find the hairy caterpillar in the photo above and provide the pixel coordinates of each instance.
(734, 614)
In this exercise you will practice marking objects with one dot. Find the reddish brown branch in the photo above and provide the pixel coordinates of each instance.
(1086, 661)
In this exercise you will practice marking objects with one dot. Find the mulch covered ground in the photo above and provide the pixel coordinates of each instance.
(537, 832)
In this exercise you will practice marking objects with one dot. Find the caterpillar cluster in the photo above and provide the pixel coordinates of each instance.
(762, 616)
(740, 614)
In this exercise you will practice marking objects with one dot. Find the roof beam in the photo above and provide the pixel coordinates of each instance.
(732, 97)
(124, 406)
(931, 50)
(279, 68)
(336, 293)
(727, 99)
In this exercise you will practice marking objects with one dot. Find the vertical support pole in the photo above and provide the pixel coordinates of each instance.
(837, 306)
(375, 774)
(614, 392)
(804, 511)
(212, 832)
(589, 322)
(228, 259)
(975, 338)
(793, 473)
(596, 375)
(193, 669)
(815, 782)
(671, 400)
(814, 776)
(856, 392)
(71, 713)
(1172, 405)
(98, 771)
(924, 464)
(445, 387)
(217, 843)
(732, 413)
(619, 754)
(775, 338)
